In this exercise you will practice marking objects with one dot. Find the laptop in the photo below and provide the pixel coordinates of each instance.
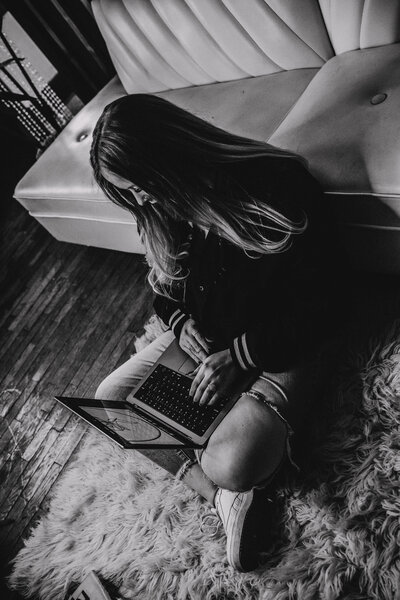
(158, 413)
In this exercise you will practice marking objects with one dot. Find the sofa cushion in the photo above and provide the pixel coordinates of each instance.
(346, 125)
(360, 24)
(162, 45)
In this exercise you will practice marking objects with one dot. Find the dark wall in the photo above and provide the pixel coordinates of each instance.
(18, 155)
(66, 32)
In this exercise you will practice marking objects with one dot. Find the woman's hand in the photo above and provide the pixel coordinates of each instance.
(215, 379)
(192, 342)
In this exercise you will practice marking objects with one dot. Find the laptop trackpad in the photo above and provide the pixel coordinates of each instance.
(177, 360)
(187, 366)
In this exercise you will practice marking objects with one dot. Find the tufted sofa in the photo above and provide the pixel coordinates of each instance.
(320, 77)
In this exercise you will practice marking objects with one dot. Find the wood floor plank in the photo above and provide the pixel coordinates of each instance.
(49, 336)
(77, 345)
(54, 299)
(19, 262)
(36, 294)
(119, 319)
(21, 232)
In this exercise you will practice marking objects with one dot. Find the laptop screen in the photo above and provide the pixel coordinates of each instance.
(122, 422)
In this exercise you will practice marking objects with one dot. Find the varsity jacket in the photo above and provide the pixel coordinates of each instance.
(271, 311)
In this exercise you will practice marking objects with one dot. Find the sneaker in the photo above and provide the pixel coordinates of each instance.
(242, 515)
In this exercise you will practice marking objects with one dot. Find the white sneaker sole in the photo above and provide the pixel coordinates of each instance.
(234, 540)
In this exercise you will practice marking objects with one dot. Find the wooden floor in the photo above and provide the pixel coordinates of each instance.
(69, 315)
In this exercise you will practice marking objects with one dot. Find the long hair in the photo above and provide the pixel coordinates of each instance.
(190, 168)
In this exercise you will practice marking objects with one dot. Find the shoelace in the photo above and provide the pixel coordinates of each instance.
(210, 523)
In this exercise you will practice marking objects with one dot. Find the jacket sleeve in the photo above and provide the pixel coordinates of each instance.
(172, 312)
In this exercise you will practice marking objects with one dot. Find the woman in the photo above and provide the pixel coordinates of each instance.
(242, 269)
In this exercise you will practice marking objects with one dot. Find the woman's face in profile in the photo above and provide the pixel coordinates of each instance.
(121, 183)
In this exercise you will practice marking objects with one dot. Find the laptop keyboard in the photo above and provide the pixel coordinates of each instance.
(168, 392)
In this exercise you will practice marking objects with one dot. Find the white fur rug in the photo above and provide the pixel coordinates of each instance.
(118, 514)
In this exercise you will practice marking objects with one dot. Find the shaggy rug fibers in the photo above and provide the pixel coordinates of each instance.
(339, 533)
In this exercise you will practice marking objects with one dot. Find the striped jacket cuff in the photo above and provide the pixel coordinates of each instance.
(176, 321)
(240, 353)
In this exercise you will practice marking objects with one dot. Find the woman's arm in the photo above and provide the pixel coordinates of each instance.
(185, 328)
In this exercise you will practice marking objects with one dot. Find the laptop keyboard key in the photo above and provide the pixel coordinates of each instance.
(167, 392)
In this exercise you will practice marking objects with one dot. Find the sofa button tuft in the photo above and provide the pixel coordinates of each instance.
(378, 98)
(82, 136)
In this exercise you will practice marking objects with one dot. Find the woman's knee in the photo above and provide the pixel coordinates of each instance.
(240, 474)
(240, 458)
(112, 388)
(119, 384)
(227, 473)
(106, 390)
